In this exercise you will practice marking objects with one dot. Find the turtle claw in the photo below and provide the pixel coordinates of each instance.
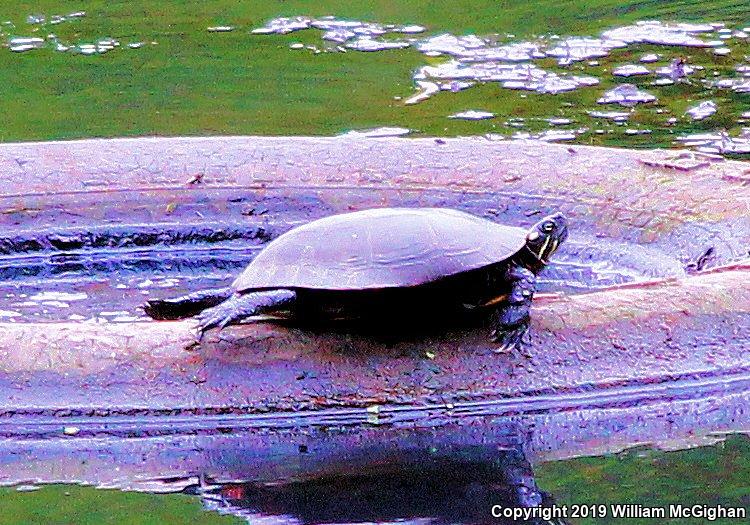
(505, 349)
(200, 331)
(208, 320)
(515, 338)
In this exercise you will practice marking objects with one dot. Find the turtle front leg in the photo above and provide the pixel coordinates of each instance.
(240, 306)
(510, 322)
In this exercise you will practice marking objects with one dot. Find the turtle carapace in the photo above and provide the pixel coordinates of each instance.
(386, 261)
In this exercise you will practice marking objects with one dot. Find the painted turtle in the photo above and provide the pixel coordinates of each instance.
(387, 263)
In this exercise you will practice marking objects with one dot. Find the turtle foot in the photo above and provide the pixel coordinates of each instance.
(510, 339)
(243, 306)
(212, 318)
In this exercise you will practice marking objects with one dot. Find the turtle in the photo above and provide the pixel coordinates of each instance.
(386, 263)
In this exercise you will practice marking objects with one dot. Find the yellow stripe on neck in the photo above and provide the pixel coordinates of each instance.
(495, 300)
(544, 247)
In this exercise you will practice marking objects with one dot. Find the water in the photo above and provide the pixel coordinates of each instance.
(445, 491)
(22, 44)
(461, 62)
(655, 455)
(679, 64)
(435, 490)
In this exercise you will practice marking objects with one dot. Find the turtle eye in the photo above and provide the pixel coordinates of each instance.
(548, 227)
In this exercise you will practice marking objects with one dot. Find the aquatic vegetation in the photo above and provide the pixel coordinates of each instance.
(468, 61)
(22, 44)
(366, 68)
(698, 471)
(477, 59)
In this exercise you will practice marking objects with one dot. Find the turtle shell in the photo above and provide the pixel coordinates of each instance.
(380, 248)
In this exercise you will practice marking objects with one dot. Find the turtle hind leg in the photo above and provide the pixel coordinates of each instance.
(240, 306)
(187, 305)
(510, 322)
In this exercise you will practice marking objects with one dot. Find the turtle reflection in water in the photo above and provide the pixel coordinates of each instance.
(416, 488)
(388, 264)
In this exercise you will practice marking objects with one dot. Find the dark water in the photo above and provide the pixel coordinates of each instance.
(459, 490)
(474, 486)
(439, 490)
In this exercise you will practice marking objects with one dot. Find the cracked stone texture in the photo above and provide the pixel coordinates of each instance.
(659, 197)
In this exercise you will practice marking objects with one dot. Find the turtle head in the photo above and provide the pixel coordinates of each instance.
(546, 235)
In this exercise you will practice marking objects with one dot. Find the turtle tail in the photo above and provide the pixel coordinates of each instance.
(187, 305)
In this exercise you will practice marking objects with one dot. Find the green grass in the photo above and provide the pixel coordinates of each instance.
(710, 475)
(75, 505)
(197, 83)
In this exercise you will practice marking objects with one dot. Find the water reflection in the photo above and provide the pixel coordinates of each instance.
(452, 469)
(420, 489)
